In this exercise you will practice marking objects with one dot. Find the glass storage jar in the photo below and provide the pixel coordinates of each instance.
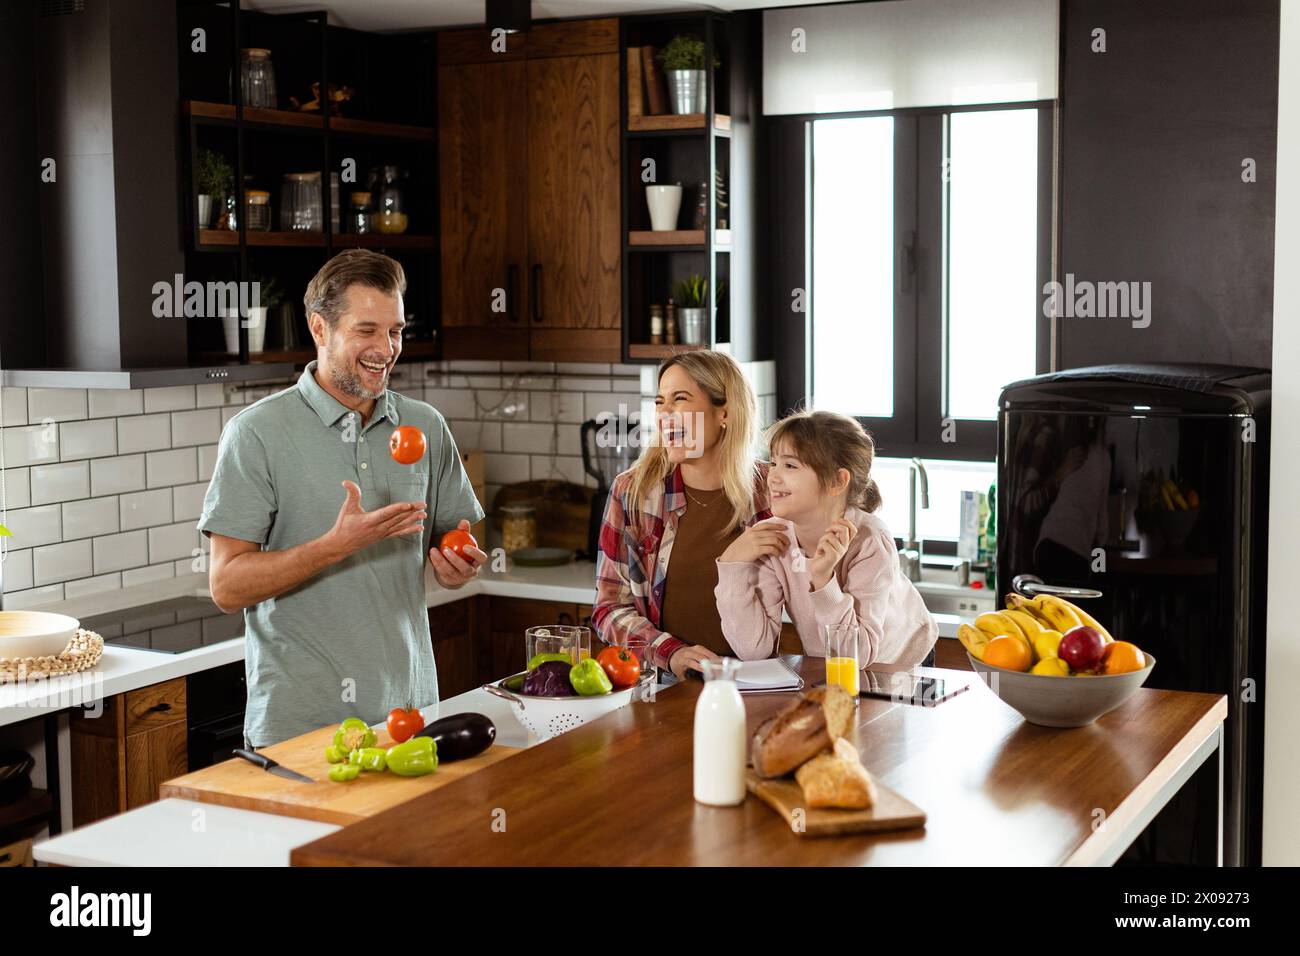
(518, 527)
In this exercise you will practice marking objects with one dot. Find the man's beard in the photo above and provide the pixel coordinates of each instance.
(345, 381)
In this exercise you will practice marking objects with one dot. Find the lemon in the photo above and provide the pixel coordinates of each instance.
(1051, 667)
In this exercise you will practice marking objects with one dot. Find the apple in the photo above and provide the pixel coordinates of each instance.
(1082, 648)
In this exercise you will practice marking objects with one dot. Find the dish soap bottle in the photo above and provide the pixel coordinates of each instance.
(720, 738)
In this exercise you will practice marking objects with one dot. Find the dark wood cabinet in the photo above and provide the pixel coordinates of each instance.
(121, 757)
(529, 160)
(455, 649)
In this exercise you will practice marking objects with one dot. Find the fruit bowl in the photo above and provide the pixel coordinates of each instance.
(1061, 701)
(35, 633)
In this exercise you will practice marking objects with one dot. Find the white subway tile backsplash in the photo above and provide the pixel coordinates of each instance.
(13, 407)
(144, 433)
(187, 501)
(31, 445)
(561, 468)
(117, 552)
(483, 381)
(505, 469)
(207, 461)
(582, 368)
(144, 509)
(649, 380)
(178, 467)
(585, 384)
(112, 402)
(17, 488)
(18, 570)
(56, 404)
(210, 394)
(228, 413)
(527, 366)
(90, 517)
(169, 398)
(102, 582)
(113, 476)
(61, 562)
(60, 482)
(157, 572)
(532, 438)
(485, 436)
(33, 597)
(556, 407)
(201, 427)
(620, 405)
(453, 403)
(173, 541)
(32, 527)
(88, 439)
(472, 365)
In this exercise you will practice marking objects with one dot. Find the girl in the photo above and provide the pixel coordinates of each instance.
(822, 499)
(692, 491)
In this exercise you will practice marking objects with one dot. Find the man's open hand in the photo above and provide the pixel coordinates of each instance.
(355, 529)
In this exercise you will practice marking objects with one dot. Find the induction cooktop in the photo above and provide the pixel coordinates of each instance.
(169, 627)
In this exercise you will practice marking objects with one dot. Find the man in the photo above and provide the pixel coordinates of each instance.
(320, 535)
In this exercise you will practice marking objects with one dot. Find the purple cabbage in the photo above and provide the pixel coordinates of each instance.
(550, 679)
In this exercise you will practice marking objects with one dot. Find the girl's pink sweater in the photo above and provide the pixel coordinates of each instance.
(867, 588)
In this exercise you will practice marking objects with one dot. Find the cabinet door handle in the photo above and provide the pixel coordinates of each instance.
(161, 708)
(536, 293)
(512, 286)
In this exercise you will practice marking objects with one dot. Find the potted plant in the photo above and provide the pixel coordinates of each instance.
(269, 296)
(692, 302)
(683, 63)
(214, 178)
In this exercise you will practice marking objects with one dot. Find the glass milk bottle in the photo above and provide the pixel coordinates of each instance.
(720, 738)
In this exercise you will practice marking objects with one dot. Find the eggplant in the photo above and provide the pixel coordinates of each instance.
(460, 736)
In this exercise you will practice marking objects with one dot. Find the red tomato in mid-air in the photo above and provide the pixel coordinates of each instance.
(407, 444)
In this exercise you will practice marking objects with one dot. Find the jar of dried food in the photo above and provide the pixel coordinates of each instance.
(518, 527)
(362, 207)
(257, 204)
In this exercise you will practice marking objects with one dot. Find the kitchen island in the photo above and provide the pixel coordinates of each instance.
(996, 790)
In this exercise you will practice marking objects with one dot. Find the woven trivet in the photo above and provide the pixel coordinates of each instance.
(82, 653)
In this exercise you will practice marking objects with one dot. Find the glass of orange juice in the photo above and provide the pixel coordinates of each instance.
(842, 642)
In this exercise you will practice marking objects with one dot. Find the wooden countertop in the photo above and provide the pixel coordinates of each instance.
(617, 791)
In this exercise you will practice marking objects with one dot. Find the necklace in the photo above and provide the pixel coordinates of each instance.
(697, 500)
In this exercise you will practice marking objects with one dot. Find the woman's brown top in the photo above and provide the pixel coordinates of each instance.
(690, 611)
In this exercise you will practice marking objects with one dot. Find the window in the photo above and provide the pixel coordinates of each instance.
(928, 239)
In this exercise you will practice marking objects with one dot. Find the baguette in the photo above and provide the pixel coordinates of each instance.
(837, 779)
(801, 730)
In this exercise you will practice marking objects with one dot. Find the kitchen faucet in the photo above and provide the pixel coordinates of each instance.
(910, 559)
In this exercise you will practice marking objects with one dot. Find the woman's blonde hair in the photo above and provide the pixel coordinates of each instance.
(826, 442)
(722, 381)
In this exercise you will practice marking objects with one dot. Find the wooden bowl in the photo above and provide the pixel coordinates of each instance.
(1061, 701)
(35, 633)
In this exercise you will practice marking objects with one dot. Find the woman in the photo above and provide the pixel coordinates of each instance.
(690, 494)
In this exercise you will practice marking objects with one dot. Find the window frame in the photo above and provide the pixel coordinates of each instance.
(920, 348)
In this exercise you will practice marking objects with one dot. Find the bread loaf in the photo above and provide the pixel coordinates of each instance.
(801, 730)
(837, 779)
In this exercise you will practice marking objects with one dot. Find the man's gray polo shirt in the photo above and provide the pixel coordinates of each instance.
(354, 640)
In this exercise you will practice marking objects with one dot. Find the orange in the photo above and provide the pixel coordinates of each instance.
(1121, 657)
(1008, 652)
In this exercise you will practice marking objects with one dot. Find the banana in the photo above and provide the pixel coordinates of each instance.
(1018, 602)
(998, 623)
(1028, 623)
(1061, 614)
(1047, 645)
(973, 639)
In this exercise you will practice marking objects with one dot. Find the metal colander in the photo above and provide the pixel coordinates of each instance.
(548, 717)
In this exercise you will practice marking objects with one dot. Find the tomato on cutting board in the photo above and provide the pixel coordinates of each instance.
(407, 444)
(404, 723)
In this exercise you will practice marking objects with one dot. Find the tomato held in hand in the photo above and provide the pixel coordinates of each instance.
(407, 444)
(404, 723)
(621, 665)
(458, 541)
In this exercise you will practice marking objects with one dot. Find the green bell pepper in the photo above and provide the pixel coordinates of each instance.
(353, 734)
(369, 758)
(589, 678)
(343, 772)
(414, 758)
(543, 658)
(335, 754)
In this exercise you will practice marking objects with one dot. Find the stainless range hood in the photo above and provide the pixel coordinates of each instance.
(110, 229)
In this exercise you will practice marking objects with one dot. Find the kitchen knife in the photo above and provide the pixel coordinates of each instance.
(269, 765)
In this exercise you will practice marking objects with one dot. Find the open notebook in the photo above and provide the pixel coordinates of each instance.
(767, 677)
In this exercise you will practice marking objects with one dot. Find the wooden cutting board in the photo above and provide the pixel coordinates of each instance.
(237, 783)
(891, 812)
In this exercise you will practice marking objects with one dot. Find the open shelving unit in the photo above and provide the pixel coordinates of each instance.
(390, 121)
(697, 151)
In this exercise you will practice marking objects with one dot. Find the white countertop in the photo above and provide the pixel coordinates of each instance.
(124, 668)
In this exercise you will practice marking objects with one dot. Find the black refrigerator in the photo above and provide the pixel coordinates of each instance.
(1149, 483)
